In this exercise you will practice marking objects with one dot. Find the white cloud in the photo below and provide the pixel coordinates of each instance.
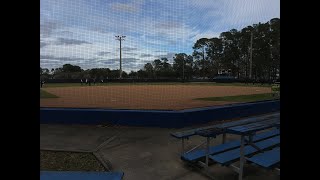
(240, 13)
(224, 15)
(153, 28)
(124, 7)
(89, 55)
(130, 7)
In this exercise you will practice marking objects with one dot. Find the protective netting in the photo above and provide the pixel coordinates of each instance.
(172, 52)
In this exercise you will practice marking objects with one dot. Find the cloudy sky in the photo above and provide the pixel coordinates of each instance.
(82, 32)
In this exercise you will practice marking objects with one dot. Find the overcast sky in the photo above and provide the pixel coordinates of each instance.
(81, 32)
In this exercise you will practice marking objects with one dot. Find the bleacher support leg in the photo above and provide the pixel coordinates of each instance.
(242, 158)
(224, 138)
(207, 152)
(182, 149)
(278, 171)
(195, 147)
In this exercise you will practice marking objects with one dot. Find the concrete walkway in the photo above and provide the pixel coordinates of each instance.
(141, 153)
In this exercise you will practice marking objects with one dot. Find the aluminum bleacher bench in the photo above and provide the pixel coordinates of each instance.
(258, 135)
(267, 159)
(228, 157)
(201, 153)
(192, 132)
(77, 175)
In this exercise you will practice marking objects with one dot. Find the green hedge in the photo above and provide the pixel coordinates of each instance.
(275, 88)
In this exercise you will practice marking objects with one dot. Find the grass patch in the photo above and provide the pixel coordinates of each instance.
(241, 98)
(69, 161)
(45, 94)
(275, 88)
(49, 85)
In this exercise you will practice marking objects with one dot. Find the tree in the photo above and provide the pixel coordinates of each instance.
(244, 46)
(44, 73)
(261, 51)
(275, 47)
(182, 66)
(124, 74)
(215, 54)
(148, 68)
(68, 68)
(166, 69)
(231, 51)
(199, 52)
(133, 74)
(114, 74)
(142, 74)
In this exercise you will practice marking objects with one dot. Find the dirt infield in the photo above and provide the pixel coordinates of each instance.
(162, 97)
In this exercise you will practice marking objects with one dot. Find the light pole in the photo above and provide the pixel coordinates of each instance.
(120, 38)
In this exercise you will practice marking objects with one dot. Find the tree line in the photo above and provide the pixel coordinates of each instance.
(231, 51)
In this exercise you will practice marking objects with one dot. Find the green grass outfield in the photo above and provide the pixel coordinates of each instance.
(45, 94)
(241, 98)
(49, 85)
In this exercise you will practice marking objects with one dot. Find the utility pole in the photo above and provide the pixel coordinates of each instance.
(203, 67)
(250, 75)
(120, 38)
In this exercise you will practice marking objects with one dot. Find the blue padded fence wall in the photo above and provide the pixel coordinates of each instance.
(155, 118)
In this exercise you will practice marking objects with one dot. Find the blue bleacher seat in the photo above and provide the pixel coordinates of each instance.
(197, 154)
(229, 157)
(267, 159)
(192, 132)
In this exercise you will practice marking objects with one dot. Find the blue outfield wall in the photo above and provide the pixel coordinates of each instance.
(155, 118)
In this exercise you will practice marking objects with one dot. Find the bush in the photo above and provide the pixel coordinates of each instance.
(275, 88)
